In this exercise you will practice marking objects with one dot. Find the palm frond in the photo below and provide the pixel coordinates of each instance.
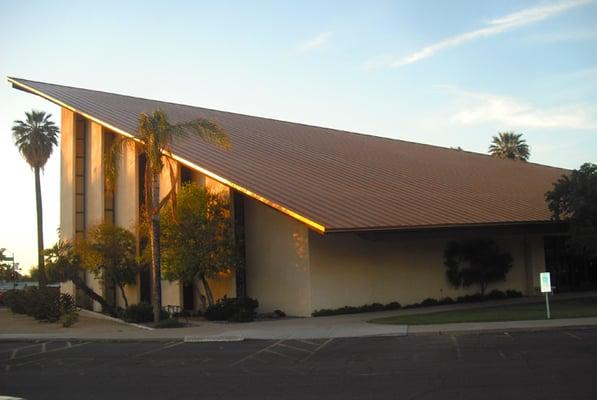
(111, 158)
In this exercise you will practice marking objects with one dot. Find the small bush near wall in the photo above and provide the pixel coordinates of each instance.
(469, 298)
(141, 312)
(241, 309)
(355, 310)
(44, 304)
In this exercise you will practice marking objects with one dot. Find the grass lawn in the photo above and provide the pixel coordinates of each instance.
(522, 312)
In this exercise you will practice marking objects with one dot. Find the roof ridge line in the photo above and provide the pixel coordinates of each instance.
(292, 122)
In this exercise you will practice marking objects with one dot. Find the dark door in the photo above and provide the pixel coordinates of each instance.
(569, 271)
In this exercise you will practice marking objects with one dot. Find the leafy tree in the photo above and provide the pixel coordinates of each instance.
(509, 145)
(197, 240)
(7, 270)
(64, 262)
(109, 252)
(35, 138)
(156, 135)
(476, 261)
(574, 199)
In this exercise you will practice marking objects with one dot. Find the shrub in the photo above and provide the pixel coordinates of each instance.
(44, 304)
(140, 312)
(15, 300)
(394, 305)
(513, 293)
(169, 323)
(495, 295)
(355, 310)
(447, 300)
(237, 309)
(429, 302)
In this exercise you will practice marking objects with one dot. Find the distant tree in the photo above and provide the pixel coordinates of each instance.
(197, 240)
(7, 271)
(35, 138)
(64, 262)
(509, 145)
(156, 135)
(476, 261)
(574, 199)
(109, 252)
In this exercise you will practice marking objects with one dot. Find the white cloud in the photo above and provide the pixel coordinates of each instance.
(514, 114)
(493, 27)
(315, 43)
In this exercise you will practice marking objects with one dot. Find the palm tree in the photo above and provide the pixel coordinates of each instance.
(35, 138)
(156, 135)
(509, 145)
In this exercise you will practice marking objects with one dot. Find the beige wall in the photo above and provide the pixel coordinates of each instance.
(277, 260)
(352, 269)
(94, 175)
(67, 175)
(126, 202)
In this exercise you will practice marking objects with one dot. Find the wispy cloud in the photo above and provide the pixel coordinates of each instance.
(315, 43)
(570, 36)
(493, 27)
(512, 113)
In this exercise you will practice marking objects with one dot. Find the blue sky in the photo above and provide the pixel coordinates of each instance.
(446, 73)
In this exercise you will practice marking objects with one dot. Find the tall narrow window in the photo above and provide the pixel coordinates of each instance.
(109, 194)
(81, 138)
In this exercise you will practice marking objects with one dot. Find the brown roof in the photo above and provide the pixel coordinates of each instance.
(336, 180)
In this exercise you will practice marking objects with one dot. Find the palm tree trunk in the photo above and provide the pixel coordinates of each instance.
(80, 283)
(208, 292)
(126, 301)
(41, 271)
(155, 248)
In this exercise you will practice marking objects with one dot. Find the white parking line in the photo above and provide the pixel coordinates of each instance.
(321, 346)
(166, 346)
(295, 348)
(456, 347)
(257, 352)
(51, 351)
(572, 335)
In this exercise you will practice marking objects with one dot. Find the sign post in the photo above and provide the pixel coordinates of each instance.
(545, 279)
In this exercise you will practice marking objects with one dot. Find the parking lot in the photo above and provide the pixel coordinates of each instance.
(556, 364)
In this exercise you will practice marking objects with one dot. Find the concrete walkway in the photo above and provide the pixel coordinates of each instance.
(98, 327)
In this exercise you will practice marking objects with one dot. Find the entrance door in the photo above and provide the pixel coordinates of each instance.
(188, 301)
(569, 271)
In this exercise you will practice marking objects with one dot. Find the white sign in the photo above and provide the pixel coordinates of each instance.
(545, 279)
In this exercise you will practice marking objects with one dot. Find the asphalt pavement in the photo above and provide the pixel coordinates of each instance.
(554, 364)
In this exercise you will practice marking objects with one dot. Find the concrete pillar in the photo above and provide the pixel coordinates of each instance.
(67, 175)
(126, 204)
(94, 193)
(94, 182)
(171, 290)
(534, 258)
(127, 188)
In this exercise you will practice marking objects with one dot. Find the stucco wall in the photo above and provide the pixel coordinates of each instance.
(277, 260)
(67, 175)
(352, 269)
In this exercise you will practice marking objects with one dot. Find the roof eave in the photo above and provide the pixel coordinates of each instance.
(310, 223)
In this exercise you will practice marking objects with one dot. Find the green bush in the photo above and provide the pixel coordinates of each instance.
(169, 323)
(469, 298)
(356, 309)
(429, 302)
(495, 295)
(237, 309)
(44, 304)
(141, 312)
(15, 300)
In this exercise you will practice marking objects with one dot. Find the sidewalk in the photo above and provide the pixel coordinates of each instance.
(97, 327)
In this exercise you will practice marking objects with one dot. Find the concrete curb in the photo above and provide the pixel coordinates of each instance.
(501, 326)
(96, 315)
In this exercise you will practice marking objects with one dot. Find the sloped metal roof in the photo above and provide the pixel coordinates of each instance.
(336, 180)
